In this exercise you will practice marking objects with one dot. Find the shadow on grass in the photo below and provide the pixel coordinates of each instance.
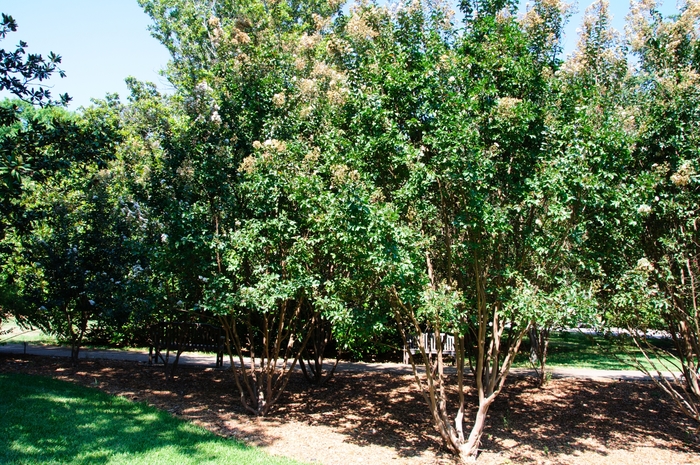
(50, 421)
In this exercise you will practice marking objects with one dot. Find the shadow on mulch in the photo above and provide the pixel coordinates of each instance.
(369, 407)
(385, 409)
(582, 415)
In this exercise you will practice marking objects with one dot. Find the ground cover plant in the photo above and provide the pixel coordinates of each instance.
(49, 421)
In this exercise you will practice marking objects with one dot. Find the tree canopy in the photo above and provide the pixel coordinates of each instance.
(336, 176)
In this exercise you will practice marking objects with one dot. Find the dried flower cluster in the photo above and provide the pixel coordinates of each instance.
(343, 175)
(307, 42)
(642, 26)
(644, 209)
(358, 26)
(542, 21)
(598, 47)
(278, 100)
(682, 177)
(506, 107)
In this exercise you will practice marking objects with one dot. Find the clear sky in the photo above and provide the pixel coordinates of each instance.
(104, 41)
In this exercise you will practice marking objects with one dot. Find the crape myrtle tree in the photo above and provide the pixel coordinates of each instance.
(249, 178)
(590, 129)
(161, 199)
(459, 134)
(655, 281)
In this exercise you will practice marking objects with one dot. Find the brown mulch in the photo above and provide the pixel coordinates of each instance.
(380, 418)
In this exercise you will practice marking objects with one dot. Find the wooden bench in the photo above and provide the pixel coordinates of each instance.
(182, 337)
(448, 345)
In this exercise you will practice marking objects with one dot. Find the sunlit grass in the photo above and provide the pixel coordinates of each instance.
(46, 421)
(19, 335)
(578, 350)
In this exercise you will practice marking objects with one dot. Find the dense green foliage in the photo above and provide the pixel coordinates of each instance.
(324, 177)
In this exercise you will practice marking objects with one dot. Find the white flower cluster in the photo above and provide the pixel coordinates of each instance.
(270, 145)
(202, 88)
(136, 213)
(136, 270)
(203, 104)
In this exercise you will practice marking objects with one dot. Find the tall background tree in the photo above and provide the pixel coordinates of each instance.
(17, 75)
(64, 246)
(655, 285)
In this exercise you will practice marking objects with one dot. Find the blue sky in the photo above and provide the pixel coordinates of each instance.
(101, 43)
(104, 41)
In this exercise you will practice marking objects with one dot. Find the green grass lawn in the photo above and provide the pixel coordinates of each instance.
(46, 421)
(19, 335)
(578, 350)
(36, 336)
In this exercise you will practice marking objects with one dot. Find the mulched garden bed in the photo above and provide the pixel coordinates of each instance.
(380, 418)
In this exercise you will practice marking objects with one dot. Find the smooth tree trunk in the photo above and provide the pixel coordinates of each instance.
(261, 379)
(494, 356)
(311, 363)
(539, 344)
(469, 450)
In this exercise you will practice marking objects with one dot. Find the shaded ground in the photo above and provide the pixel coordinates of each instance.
(379, 418)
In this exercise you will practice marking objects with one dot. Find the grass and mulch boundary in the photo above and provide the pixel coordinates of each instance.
(45, 420)
(379, 417)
